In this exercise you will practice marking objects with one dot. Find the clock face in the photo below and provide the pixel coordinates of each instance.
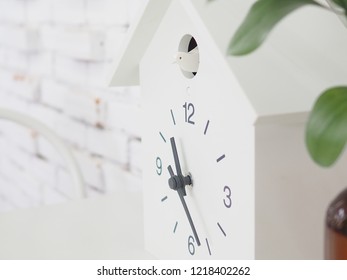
(197, 211)
(198, 180)
(191, 191)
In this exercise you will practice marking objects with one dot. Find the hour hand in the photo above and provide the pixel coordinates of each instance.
(175, 154)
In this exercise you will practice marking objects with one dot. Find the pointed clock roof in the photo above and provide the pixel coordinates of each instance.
(303, 56)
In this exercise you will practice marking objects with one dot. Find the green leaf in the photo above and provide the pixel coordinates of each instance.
(326, 131)
(342, 4)
(260, 20)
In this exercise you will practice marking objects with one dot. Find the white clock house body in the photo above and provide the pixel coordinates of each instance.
(239, 129)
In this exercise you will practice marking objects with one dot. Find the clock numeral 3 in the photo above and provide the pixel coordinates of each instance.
(189, 111)
(159, 166)
(191, 246)
(227, 200)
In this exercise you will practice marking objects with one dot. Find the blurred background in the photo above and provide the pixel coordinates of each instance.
(55, 60)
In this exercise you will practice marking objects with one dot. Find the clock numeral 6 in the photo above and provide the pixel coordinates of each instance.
(189, 108)
(191, 246)
(227, 200)
(159, 166)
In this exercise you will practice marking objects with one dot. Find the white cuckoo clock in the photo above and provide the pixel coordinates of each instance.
(226, 174)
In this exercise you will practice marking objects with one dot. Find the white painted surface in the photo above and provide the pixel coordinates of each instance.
(104, 227)
(292, 194)
(257, 106)
(295, 52)
(216, 97)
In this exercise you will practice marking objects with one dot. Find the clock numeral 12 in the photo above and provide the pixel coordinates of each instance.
(189, 111)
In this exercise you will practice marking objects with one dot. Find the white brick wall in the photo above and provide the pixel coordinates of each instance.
(12, 11)
(69, 12)
(19, 37)
(107, 12)
(55, 57)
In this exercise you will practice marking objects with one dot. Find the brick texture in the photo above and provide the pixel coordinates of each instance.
(55, 57)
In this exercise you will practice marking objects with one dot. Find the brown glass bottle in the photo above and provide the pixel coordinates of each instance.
(336, 229)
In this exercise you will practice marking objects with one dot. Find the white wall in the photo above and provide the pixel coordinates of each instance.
(55, 57)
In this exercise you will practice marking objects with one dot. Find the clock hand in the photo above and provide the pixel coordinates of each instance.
(189, 218)
(178, 165)
(178, 183)
(175, 154)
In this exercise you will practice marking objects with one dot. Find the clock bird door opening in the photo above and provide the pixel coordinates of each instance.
(188, 58)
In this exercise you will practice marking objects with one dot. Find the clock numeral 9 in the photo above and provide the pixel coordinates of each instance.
(159, 166)
(191, 246)
(189, 109)
(227, 200)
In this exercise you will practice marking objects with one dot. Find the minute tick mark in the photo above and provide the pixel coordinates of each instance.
(220, 158)
(206, 127)
(208, 247)
(222, 230)
(162, 136)
(164, 198)
(173, 117)
(174, 231)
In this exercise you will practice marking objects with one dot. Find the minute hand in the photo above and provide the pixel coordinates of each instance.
(176, 185)
(189, 218)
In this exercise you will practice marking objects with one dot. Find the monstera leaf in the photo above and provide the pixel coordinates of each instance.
(261, 19)
(326, 131)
